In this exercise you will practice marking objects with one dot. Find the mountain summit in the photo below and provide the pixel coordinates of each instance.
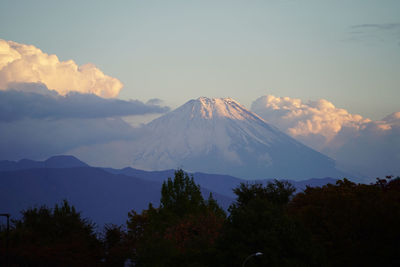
(219, 135)
(210, 108)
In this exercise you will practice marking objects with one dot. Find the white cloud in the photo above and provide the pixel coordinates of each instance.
(374, 150)
(21, 63)
(316, 123)
(370, 148)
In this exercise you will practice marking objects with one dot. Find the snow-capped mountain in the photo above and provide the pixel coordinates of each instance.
(221, 136)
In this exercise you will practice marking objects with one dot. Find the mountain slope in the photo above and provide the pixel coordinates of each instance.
(221, 136)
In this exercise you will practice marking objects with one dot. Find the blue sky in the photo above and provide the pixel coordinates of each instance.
(347, 52)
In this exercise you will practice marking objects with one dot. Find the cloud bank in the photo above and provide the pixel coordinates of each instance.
(36, 101)
(21, 63)
(356, 143)
(40, 138)
(37, 123)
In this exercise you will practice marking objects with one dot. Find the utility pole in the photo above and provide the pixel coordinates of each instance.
(7, 233)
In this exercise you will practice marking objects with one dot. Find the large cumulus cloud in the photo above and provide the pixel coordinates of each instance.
(315, 123)
(21, 63)
(369, 148)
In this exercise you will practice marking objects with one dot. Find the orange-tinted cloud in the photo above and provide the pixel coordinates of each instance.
(21, 63)
(316, 123)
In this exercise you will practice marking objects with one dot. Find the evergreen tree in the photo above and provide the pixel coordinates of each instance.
(181, 232)
(181, 195)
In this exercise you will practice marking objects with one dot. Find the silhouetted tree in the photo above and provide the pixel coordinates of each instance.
(54, 237)
(116, 245)
(181, 232)
(357, 224)
(181, 195)
(258, 222)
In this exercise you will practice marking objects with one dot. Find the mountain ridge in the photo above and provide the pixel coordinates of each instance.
(101, 196)
(220, 183)
(105, 195)
(58, 161)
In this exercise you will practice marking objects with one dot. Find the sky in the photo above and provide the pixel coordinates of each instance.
(347, 52)
(83, 77)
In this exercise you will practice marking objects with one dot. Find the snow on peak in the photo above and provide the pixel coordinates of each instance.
(209, 108)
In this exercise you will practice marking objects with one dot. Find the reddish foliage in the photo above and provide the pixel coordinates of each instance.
(194, 231)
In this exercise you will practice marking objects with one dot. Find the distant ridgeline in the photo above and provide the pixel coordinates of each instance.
(103, 194)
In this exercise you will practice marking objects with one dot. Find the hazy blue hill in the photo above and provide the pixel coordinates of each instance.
(6, 165)
(102, 196)
(159, 176)
(222, 184)
(61, 161)
(301, 185)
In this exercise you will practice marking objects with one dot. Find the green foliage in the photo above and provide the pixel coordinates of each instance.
(181, 232)
(58, 237)
(181, 195)
(276, 192)
(213, 207)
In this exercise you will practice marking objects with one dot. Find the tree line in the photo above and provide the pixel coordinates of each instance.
(345, 224)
